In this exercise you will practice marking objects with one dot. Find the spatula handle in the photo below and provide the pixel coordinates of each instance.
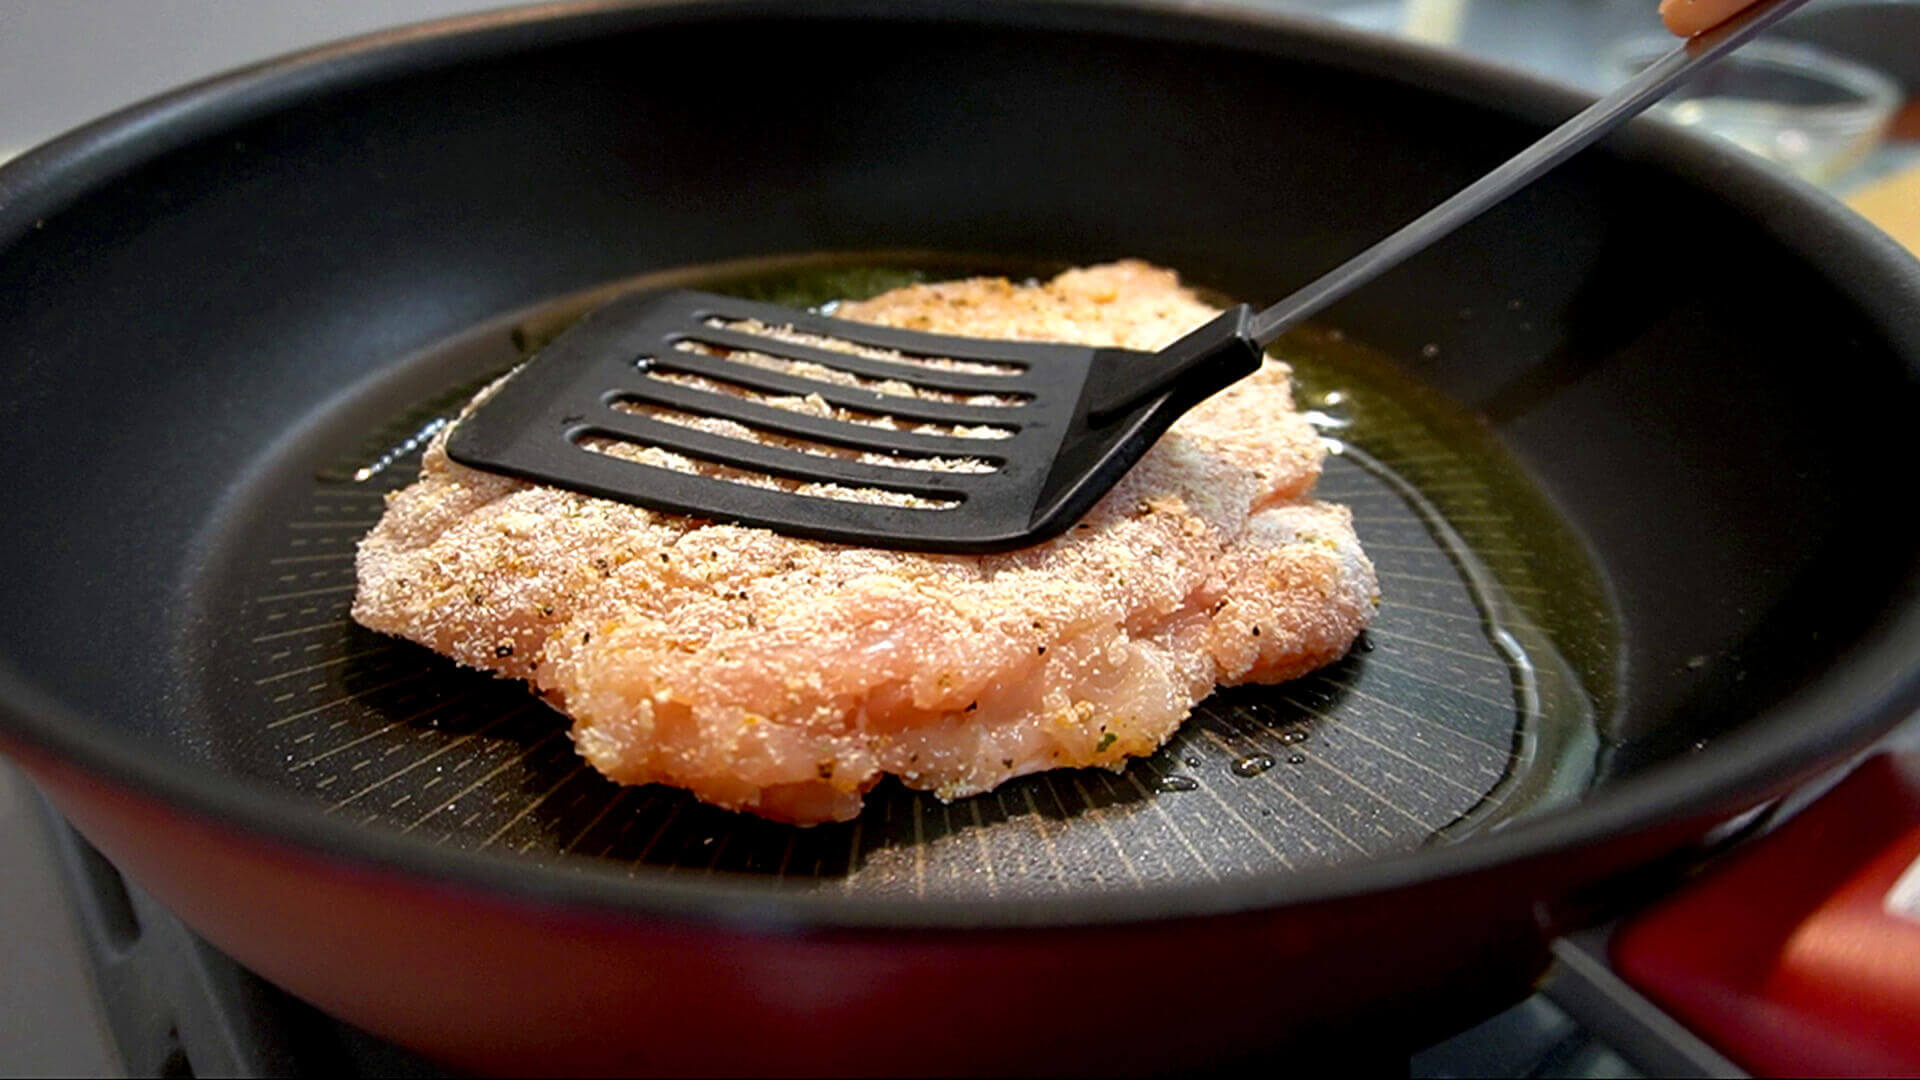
(1558, 145)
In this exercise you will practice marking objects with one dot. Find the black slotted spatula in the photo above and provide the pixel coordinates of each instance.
(912, 440)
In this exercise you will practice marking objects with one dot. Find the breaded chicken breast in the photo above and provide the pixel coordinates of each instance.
(785, 677)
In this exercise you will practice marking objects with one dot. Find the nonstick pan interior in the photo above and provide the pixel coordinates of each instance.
(1456, 712)
(205, 316)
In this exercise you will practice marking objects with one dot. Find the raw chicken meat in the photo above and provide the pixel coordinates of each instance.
(785, 677)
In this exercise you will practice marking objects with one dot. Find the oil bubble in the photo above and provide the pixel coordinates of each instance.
(1252, 765)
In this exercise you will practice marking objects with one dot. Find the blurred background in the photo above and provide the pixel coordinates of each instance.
(1827, 96)
(1823, 95)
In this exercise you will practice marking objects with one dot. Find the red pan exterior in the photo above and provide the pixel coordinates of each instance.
(492, 985)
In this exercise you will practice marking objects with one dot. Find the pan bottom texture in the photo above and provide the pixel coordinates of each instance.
(1470, 702)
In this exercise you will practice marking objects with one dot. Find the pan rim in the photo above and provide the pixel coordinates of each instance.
(1876, 686)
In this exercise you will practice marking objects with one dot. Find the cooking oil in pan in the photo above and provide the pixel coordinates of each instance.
(1469, 703)
(1541, 603)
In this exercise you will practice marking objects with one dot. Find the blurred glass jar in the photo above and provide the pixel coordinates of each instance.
(1811, 111)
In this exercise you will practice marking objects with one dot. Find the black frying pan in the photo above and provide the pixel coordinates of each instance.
(1670, 592)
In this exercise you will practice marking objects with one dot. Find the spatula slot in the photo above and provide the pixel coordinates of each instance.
(683, 460)
(766, 379)
(813, 405)
(928, 361)
(852, 448)
(852, 371)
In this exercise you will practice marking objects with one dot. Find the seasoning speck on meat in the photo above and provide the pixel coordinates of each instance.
(785, 677)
